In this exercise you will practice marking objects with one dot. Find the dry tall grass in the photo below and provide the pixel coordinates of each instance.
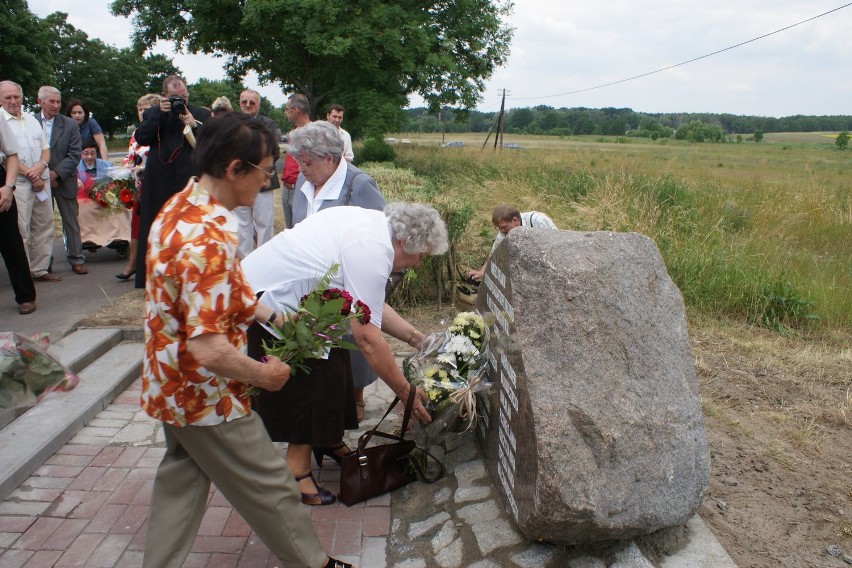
(757, 231)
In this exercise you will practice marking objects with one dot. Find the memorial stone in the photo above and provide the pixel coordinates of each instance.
(593, 429)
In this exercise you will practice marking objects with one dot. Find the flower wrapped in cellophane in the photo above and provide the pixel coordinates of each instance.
(116, 191)
(28, 373)
(449, 368)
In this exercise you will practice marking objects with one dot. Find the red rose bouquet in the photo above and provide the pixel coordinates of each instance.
(115, 191)
(318, 324)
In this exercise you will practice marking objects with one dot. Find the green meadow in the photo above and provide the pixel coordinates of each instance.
(760, 233)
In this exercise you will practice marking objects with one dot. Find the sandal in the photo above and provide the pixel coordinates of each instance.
(360, 405)
(334, 452)
(321, 497)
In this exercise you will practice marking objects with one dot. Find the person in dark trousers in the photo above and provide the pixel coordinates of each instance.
(171, 130)
(11, 244)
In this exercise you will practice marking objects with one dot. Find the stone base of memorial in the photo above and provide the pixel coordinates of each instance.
(593, 429)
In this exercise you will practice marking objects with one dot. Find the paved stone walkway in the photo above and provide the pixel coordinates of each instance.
(88, 505)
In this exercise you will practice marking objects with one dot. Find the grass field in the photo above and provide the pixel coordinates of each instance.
(756, 232)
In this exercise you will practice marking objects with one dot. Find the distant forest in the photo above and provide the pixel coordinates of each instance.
(620, 122)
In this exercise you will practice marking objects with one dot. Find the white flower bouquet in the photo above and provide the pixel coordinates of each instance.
(450, 371)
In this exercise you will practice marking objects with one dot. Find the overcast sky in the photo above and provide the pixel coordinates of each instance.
(561, 46)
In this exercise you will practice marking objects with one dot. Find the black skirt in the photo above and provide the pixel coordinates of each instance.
(312, 408)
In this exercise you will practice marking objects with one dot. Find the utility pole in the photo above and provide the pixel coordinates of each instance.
(498, 136)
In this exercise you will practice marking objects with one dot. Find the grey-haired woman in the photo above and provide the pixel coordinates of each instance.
(311, 411)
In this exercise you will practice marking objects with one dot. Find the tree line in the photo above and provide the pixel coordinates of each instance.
(551, 121)
(369, 57)
(109, 80)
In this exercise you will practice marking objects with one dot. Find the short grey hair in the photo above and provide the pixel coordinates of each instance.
(317, 139)
(48, 90)
(418, 226)
(300, 101)
(14, 84)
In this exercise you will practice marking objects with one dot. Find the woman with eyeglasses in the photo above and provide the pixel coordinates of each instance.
(327, 180)
(196, 376)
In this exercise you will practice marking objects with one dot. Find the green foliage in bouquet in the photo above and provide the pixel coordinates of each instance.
(318, 324)
(27, 372)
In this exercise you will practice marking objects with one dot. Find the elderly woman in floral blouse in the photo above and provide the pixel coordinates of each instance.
(196, 375)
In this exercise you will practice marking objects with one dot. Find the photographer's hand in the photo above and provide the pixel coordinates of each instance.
(189, 120)
(165, 104)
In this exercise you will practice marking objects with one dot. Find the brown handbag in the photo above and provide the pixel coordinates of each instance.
(369, 472)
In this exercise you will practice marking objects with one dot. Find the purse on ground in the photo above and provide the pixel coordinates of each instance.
(369, 472)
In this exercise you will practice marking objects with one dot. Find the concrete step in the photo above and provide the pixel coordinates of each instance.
(107, 362)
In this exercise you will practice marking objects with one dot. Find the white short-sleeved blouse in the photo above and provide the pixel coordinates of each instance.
(289, 266)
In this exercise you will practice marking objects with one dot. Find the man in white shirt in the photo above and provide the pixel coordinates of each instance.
(505, 218)
(335, 117)
(63, 135)
(32, 193)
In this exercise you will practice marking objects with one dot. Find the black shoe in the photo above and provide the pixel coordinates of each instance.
(334, 452)
(332, 563)
(123, 276)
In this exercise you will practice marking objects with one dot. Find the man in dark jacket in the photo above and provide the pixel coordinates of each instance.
(63, 135)
(170, 130)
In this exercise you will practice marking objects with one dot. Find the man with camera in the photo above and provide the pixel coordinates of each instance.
(170, 130)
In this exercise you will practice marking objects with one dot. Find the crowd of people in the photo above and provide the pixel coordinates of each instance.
(217, 283)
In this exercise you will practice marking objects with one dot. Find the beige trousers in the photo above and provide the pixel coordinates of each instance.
(35, 221)
(239, 458)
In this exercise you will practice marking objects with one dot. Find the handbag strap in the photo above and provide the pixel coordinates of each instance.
(409, 404)
(416, 464)
(421, 471)
(349, 189)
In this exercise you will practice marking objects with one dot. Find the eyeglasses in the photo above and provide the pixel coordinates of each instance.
(248, 103)
(270, 173)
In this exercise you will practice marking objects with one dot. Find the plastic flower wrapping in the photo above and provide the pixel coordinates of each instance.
(318, 325)
(116, 191)
(450, 370)
(28, 373)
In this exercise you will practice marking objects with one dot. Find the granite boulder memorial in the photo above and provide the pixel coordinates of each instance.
(593, 429)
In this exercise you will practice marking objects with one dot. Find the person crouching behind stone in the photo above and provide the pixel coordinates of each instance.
(505, 218)
(196, 375)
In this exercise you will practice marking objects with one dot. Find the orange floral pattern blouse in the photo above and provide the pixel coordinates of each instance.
(194, 286)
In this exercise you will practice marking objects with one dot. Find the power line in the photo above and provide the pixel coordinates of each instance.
(687, 61)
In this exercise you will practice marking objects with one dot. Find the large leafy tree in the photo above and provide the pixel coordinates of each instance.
(26, 55)
(159, 67)
(368, 55)
(205, 91)
(108, 80)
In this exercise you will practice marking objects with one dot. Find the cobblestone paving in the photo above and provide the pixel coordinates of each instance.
(88, 505)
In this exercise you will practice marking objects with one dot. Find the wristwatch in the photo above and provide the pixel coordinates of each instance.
(12, 187)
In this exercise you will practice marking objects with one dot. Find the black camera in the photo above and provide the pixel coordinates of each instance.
(178, 106)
